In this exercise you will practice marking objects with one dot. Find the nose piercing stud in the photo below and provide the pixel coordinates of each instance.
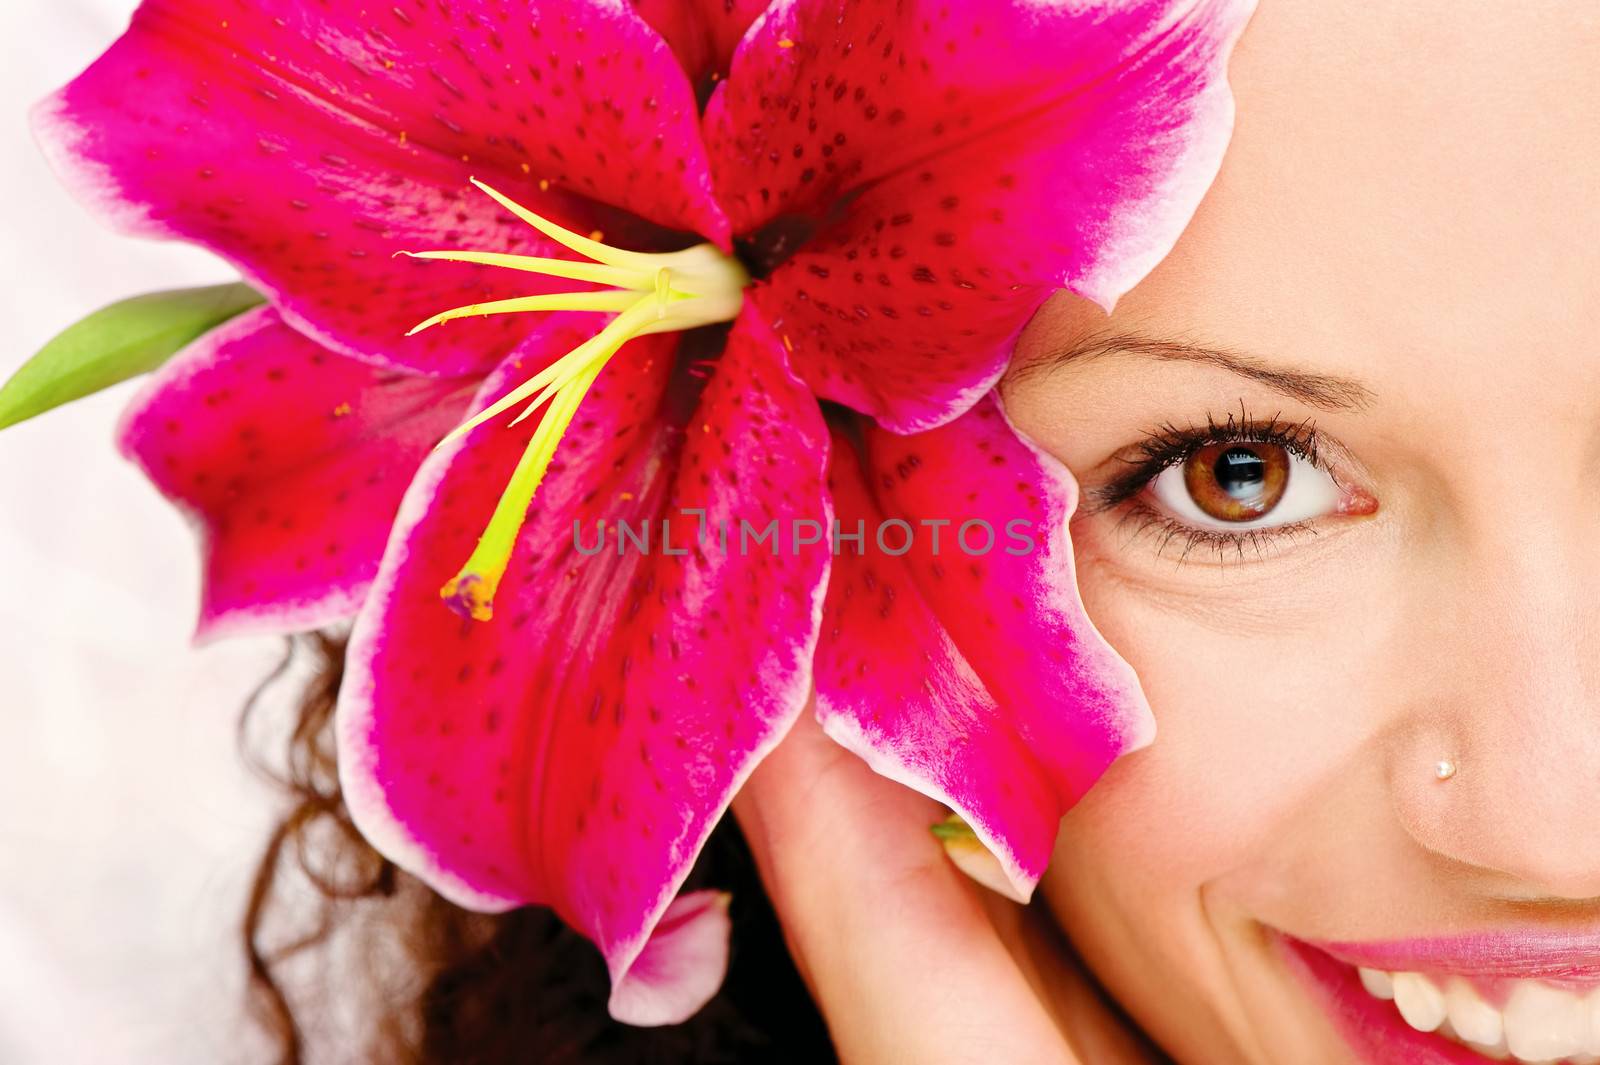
(1445, 769)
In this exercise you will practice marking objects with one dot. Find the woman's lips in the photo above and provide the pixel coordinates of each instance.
(1535, 998)
(1533, 955)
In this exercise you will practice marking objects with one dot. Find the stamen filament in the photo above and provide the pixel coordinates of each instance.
(549, 390)
(604, 347)
(570, 269)
(700, 270)
(593, 249)
(472, 589)
(616, 333)
(663, 291)
(555, 301)
(651, 293)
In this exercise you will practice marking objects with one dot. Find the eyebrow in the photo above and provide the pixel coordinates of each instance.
(1324, 391)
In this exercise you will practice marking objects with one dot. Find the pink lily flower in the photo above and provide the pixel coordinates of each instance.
(849, 201)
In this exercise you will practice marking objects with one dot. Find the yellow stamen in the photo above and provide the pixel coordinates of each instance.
(600, 253)
(558, 301)
(701, 259)
(651, 293)
(663, 291)
(614, 276)
(561, 372)
(473, 588)
(598, 350)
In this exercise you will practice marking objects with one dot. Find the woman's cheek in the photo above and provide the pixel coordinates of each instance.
(1158, 871)
(1256, 702)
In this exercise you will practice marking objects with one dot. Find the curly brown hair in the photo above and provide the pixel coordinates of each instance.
(369, 965)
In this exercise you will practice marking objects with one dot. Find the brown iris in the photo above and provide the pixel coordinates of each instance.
(1237, 482)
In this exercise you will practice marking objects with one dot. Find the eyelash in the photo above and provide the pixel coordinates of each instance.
(1170, 445)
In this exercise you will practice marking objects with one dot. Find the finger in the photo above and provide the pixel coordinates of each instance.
(1096, 1028)
(893, 940)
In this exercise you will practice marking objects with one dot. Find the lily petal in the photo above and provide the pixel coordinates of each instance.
(681, 966)
(577, 748)
(957, 163)
(291, 463)
(972, 676)
(703, 33)
(307, 143)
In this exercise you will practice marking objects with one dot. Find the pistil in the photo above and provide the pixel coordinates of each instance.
(649, 293)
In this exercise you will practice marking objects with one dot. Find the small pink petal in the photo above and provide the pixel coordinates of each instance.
(971, 675)
(308, 143)
(290, 461)
(577, 749)
(959, 163)
(681, 966)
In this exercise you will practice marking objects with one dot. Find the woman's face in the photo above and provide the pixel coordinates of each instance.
(1339, 459)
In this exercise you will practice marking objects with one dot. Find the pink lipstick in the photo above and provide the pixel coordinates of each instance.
(1531, 997)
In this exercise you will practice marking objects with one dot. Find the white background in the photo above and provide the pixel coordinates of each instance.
(128, 825)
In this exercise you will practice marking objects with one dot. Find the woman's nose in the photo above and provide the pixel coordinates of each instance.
(1499, 766)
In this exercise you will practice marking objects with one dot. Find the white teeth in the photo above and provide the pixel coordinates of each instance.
(1419, 1002)
(1539, 1025)
(1378, 983)
(1545, 1023)
(1474, 1020)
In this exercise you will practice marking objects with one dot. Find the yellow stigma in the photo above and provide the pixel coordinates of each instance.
(647, 292)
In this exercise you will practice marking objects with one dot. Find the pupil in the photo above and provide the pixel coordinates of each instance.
(1240, 472)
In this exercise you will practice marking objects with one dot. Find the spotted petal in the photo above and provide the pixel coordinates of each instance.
(577, 748)
(952, 164)
(290, 461)
(703, 33)
(965, 666)
(307, 143)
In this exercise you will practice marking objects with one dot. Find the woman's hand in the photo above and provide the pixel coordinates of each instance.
(909, 960)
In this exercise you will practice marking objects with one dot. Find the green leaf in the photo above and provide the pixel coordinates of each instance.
(118, 342)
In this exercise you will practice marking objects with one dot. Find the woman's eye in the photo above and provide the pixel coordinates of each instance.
(1244, 485)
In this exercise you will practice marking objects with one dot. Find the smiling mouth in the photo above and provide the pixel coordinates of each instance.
(1459, 1003)
(1526, 1020)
